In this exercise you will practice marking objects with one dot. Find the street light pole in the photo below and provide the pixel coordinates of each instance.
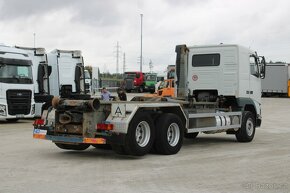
(34, 40)
(141, 57)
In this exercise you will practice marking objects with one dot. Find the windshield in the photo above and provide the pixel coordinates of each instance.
(151, 77)
(130, 76)
(87, 75)
(163, 84)
(20, 74)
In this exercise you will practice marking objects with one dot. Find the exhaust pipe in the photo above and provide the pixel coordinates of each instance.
(65, 118)
(95, 104)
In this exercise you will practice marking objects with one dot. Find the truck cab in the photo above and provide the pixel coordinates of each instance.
(134, 81)
(67, 71)
(41, 72)
(150, 82)
(16, 84)
(230, 72)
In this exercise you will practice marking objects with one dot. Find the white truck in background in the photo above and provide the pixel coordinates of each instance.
(16, 84)
(67, 72)
(51, 71)
(41, 72)
(216, 90)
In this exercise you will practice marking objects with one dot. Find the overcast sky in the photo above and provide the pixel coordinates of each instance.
(95, 26)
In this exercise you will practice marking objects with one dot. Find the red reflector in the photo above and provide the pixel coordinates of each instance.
(39, 122)
(105, 126)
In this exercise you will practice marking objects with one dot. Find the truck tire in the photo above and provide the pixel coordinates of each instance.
(140, 137)
(80, 147)
(191, 135)
(247, 131)
(169, 134)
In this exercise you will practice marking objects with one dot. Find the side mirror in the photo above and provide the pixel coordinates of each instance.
(263, 67)
(49, 70)
(40, 78)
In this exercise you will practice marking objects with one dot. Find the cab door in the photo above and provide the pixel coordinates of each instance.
(254, 91)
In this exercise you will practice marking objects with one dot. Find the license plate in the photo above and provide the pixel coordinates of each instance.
(39, 131)
(19, 116)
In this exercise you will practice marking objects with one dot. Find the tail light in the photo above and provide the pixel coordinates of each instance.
(105, 126)
(38, 122)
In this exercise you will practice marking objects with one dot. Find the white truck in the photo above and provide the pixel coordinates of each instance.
(216, 91)
(51, 71)
(277, 81)
(67, 72)
(16, 84)
(41, 72)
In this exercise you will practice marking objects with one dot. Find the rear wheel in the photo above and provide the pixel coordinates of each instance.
(169, 134)
(140, 136)
(247, 131)
(80, 147)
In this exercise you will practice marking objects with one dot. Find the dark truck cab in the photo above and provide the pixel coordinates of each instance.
(134, 81)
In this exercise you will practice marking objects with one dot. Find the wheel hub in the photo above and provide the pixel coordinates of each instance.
(250, 127)
(142, 134)
(173, 134)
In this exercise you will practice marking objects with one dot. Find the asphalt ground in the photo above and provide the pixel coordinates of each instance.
(209, 163)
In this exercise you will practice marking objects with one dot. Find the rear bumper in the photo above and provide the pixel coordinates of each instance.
(3, 118)
(42, 134)
(113, 139)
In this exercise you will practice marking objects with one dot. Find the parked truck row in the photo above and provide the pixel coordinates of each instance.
(30, 77)
(216, 90)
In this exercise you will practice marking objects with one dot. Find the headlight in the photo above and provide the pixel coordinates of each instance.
(3, 110)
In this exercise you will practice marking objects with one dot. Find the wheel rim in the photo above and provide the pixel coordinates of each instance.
(173, 134)
(250, 127)
(142, 134)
